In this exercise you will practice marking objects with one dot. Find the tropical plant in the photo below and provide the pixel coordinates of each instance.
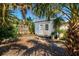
(7, 28)
(73, 31)
(23, 7)
(30, 24)
(44, 10)
(58, 22)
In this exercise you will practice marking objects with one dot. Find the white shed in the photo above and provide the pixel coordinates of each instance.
(44, 27)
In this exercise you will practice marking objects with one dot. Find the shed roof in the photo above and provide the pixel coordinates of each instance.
(43, 21)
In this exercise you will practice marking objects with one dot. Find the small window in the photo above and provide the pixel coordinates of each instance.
(46, 27)
(41, 27)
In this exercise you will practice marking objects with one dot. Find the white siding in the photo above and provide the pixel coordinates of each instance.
(40, 28)
(36, 28)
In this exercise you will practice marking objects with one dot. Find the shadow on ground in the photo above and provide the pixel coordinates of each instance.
(45, 50)
(7, 48)
(38, 49)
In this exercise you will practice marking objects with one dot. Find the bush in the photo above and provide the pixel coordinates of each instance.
(7, 32)
(32, 28)
(55, 34)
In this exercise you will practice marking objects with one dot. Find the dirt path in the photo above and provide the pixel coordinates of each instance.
(31, 45)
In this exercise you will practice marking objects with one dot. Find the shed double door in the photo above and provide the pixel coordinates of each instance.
(43, 29)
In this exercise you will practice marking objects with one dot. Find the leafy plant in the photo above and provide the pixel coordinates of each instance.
(7, 32)
(72, 40)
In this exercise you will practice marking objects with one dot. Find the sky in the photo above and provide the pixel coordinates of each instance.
(18, 14)
(29, 13)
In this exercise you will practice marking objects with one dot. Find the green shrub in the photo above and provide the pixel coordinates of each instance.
(8, 32)
(32, 27)
(53, 33)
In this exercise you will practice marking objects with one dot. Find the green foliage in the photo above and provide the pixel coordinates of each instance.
(7, 21)
(53, 33)
(72, 39)
(8, 32)
(32, 27)
(57, 22)
(44, 10)
(64, 32)
(61, 30)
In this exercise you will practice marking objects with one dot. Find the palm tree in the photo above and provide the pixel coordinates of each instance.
(58, 22)
(5, 14)
(6, 21)
(31, 25)
(71, 10)
(44, 10)
(23, 7)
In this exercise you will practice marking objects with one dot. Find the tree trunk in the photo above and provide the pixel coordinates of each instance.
(3, 14)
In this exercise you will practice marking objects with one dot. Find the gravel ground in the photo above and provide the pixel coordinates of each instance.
(31, 45)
